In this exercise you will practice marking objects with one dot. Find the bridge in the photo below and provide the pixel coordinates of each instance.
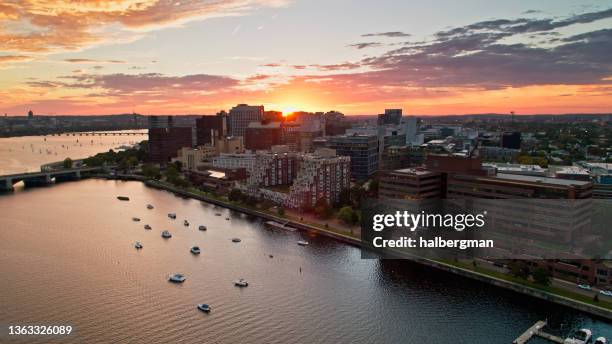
(44, 177)
(102, 133)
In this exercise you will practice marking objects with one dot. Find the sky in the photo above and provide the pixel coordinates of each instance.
(435, 57)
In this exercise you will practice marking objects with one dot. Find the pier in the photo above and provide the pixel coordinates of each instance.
(536, 331)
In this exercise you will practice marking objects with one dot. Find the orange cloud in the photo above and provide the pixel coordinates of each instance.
(42, 26)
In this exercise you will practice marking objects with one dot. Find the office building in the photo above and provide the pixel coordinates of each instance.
(165, 139)
(391, 116)
(363, 151)
(511, 140)
(241, 115)
(210, 127)
(262, 136)
(410, 184)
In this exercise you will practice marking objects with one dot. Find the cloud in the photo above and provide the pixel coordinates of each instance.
(118, 84)
(92, 61)
(65, 25)
(14, 58)
(392, 34)
(476, 55)
(365, 45)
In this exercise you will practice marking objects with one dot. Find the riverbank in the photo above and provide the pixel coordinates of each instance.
(458, 268)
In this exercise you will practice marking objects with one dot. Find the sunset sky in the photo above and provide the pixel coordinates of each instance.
(357, 57)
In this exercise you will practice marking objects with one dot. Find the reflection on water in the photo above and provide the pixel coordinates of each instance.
(28, 153)
(68, 257)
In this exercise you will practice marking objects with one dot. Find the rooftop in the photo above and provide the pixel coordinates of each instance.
(543, 180)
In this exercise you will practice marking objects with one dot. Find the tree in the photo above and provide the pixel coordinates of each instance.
(373, 188)
(542, 276)
(235, 195)
(323, 209)
(171, 173)
(518, 269)
(280, 211)
(150, 171)
(67, 163)
(347, 215)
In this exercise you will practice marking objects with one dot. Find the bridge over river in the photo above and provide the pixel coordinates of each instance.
(45, 177)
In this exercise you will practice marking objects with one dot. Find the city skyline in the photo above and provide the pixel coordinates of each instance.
(202, 57)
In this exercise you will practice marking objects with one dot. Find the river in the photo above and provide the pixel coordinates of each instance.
(28, 153)
(68, 258)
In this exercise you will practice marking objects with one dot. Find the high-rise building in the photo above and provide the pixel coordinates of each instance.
(335, 123)
(363, 150)
(241, 115)
(262, 136)
(391, 116)
(411, 129)
(165, 139)
(211, 127)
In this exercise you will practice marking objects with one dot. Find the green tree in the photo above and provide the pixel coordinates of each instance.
(347, 215)
(67, 163)
(150, 171)
(235, 195)
(280, 211)
(541, 276)
(518, 269)
(323, 209)
(171, 173)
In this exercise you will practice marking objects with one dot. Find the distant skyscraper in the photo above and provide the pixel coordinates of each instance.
(241, 115)
(391, 116)
(410, 125)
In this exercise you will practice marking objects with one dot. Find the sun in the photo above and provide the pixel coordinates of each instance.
(287, 110)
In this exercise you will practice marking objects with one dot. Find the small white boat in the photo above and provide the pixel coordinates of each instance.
(195, 250)
(236, 240)
(601, 340)
(186, 223)
(302, 243)
(177, 278)
(166, 234)
(147, 227)
(202, 228)
(135, 219)
(204, 307)
(241, 283)
(581, 336)
(138, 245)
(172, 215)
(150, 206)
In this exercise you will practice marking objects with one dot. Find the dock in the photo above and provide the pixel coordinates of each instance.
(274, 224)
(536, 331)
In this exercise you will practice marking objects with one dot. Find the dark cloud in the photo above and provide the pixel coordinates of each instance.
(392, 34)
(475, 56)
(92, 61)
(130, 83)
(365, 45)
